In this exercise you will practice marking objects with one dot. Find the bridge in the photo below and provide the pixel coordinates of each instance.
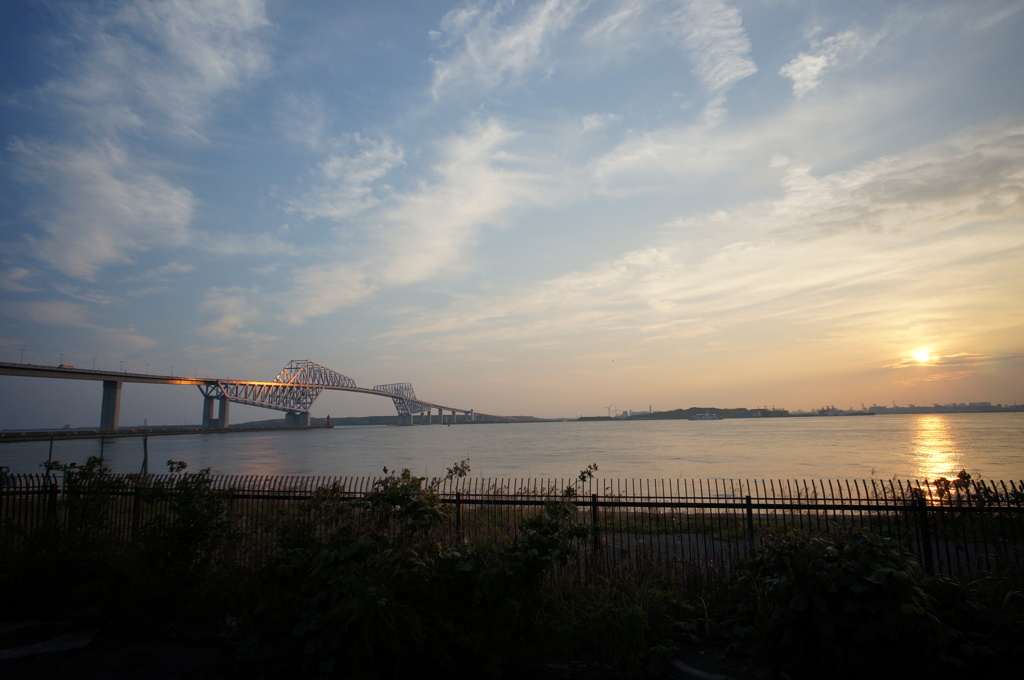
(293, 391)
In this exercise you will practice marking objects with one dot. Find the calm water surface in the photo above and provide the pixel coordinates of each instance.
(881, 447)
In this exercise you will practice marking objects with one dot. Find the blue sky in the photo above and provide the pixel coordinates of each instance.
(520, 207)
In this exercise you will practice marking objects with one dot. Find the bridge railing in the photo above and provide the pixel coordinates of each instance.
(693, 528)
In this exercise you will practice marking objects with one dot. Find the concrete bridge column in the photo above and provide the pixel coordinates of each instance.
(296, 419)
(472, 415)
(208, 420)
(110, 411)
(221, 421)
(222, 416)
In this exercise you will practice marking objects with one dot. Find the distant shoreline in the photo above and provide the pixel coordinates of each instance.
(356, 421)
(156, 431)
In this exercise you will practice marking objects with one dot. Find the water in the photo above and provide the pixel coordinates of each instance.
(880, 447)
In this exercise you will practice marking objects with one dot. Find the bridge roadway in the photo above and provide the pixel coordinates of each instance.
(298, 395)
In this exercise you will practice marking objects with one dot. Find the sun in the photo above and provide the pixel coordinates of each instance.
(922, 356)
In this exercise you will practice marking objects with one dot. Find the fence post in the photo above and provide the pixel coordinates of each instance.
(51, 502)
(141, 484)
(924, 530)
(458, 515)
(3, 488)
(593, 522)
(749, 503)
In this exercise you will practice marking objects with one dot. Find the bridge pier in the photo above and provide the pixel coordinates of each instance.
(221, 421)
(296, 419)
(110, 411)
(451, 419)
(208, 418)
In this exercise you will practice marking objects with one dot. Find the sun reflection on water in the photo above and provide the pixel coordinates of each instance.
(935, 449)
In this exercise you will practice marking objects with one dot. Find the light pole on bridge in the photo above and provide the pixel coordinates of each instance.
(61, 358)
(22, 354)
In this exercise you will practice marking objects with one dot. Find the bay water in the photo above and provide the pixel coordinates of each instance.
(918, 446)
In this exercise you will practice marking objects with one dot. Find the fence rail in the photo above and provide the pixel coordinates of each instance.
(690, 527)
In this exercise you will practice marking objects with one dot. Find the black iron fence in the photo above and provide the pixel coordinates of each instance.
(692, 528)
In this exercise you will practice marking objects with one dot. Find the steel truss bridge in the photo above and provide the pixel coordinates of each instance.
(293, 391)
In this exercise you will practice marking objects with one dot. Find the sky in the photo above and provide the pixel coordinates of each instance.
(551, 208)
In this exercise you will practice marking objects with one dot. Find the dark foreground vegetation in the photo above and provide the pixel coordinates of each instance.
(371, 588)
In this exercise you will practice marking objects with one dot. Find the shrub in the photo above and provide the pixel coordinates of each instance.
(388, 595)
(985, 614)
(847, 604)
(183, 542)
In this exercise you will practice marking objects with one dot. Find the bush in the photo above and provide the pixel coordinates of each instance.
(985, 615)
(183, 543)
(846, 604)
(388, 595)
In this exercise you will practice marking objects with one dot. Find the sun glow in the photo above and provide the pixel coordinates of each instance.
(922, 356)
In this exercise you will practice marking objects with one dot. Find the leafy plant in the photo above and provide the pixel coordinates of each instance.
(849, 602)
(88, 497)
(391, 593)
(82, 537)
(183, 540)
(551, 538)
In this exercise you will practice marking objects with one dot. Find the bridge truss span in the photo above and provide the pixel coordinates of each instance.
(404, 397)
(301, 381)
(306, 372)
(293, 391)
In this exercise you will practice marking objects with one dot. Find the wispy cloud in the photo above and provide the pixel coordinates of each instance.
(422, 233)
(978, 173)
(654, 161)
(808, 69)
(346, 183)
(16, 280)
(958, 361)
(164, 272)
(478, 182)
(92, 297)
(154, 67)
(234, 314)
(71, 315)
(712, 33)
(324, 288)
(100, 207)
(598, 121)
(305, 120)
(130, 73)
(485, 53)
(255, 243)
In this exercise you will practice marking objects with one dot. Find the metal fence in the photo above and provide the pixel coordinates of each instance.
(689, 528)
